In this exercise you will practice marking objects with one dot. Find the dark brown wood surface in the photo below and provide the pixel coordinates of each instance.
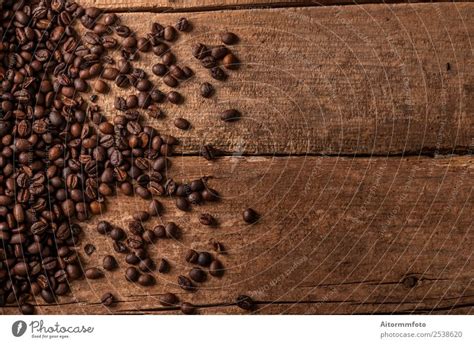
(360, 230)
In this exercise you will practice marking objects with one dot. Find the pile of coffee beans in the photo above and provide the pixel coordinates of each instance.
(62, 159)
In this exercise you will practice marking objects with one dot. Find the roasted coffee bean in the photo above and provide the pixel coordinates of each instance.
(210, 195)
(217, 246)
(168, 299)
(170, 81)
(159, 69)
(182, 203)
(207, 219)
(204, 258)
(117, 234)
(110, 18)
(231, 115)
(200, 51)
(250, 216)
(132, 274)
(100, 86)
(188, 308)
(208, 62)
(27, 309)
(216, 269)
(172, 230)
(132, 259)
(141, 216)
(149, 236)
(110, 73)
(230, 62)
(120, 247)
(194, 198)
(109, 263)
(219, 52)
(146, 280)
(169, 33)
(155, 208)
(207, 90)
(89, 249)
(107, 299)
(174, 97)
(218, 74)
(245, 302)
(143, 44)
(129, 42)
(93, 273)
(181, 123)
(168, 58)
(104, 227)
(197, 275)
(163, 266)
(183, 25)
(160, 231)
(147, 265)
(229, 38)
(185, 283)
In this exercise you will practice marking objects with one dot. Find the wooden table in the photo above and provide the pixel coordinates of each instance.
(355, 145)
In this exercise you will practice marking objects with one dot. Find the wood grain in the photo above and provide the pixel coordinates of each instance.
(337, 235)
(202, 5)
(330, 80)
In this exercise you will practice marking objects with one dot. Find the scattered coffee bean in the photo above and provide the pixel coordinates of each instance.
(146, 280)
(192, 257)
(100, 86)
(172, 230)
(183, 25)
(219, 52)
(163, 266)
(185, 283)
(27, 309)
(231, 115)
(181, 123)
(132, 259)
(204, 258)
(206, 89)
(94, 273)
(168, 299)
(109, 263)
(207, 219)
(245, 302)
(230, 62)
(188, 308)
(229, 38)
(208, 152)
(89, 249)
(132, 274)
(174, 97)
(197, 275)
(107, 299)
(216, 269)
(250, 216)
(218, 74)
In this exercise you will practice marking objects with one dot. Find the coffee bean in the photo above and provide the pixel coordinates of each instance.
(245, 302)
(208, 62)
(183, 25)
(168, 58)
(170, 81)
(27, 309)
(155, 208)
(219, 52)
(110, 18)
(188, 72)
(197, 275)
(200, 51)
(216, 269)
(107, 299)
(185, 283)
(168, 299)
(204, 258)
(141, 216)
(146, 280)
(159, 69)
(93, 273)
(109, 263)
(210, 195)
(182, 203)
(147, 265)
(229, 38)
(89, 249)
(169, 34)
(104, 227)
(143, 45)
(160, 231)
(188, 308)
(191, 257)
(129, 42)
(230, 115)
(230, 62)
(100, 86)
(163, 266)
(117, 233)
(47, 296)
(132, 274)
(207, 219)
(110, 73)
(181, 123)
(174, 97)
(207, 90)
(250, 216)
(172, 230)
(218, 74)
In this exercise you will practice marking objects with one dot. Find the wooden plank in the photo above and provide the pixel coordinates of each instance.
(193, 5)
(337, 235)
(330, 80)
